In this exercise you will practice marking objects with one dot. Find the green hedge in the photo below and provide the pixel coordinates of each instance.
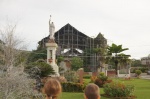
(143, 69)
(87, 76)
(72, 87)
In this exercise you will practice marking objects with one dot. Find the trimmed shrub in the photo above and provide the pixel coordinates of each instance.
(40, 68)
(101, 74)
(72, 87)
(138, 72)
(118, 89)
(101, 80)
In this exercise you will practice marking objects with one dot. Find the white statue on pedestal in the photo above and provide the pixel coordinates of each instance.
(51, 49)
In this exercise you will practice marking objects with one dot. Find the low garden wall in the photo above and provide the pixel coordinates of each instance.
(134, 75)
(111, 73)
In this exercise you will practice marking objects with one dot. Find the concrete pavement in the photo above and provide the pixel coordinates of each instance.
(145, 77)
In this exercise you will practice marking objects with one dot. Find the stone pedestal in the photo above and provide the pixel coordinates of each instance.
(51, 56)
(81, 73)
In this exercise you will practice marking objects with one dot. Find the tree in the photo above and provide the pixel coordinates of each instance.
(59, 59)
(124, 60)
(37, 54)
(37, 70)
(115, 49)
(40, 68)
(12, 46)
(76, 63)
(138, 72)
(17, 85)
(136, 63)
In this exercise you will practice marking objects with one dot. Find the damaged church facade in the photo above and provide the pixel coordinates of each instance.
(73, 43)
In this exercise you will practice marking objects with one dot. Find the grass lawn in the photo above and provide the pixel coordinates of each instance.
(142, 87)
(69, 95)
(142, 90)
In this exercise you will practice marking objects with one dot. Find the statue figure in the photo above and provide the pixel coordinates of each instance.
(51, 29)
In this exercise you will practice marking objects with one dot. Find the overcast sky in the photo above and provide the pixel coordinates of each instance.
(125, 22)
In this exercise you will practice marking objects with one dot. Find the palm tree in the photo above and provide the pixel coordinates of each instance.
(124, 60)
(115, 49)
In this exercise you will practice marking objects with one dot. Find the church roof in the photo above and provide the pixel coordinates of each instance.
(67, 27)
(100, 36)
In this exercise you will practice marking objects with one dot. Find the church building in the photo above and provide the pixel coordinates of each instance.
(71, 42)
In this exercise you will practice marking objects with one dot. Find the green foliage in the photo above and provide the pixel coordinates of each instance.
(143, 69)
(101, 74)
(136, 63)
(59, 59)
(116, 49)
(141, 90)
(102, 77)
(118, 89)
(101, 80)
(138, 72)
(71, 76)
(76, 63)
(45, 69)
(37, 54)
(72, 87)
(86, 76)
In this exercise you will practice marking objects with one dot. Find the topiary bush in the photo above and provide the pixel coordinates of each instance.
(138, 72)
(118, 89)
(101, 80)
(101, 74)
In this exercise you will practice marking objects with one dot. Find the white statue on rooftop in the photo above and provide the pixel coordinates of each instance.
(51, 29)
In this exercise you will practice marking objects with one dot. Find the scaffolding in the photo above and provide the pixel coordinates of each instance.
(72, 42)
